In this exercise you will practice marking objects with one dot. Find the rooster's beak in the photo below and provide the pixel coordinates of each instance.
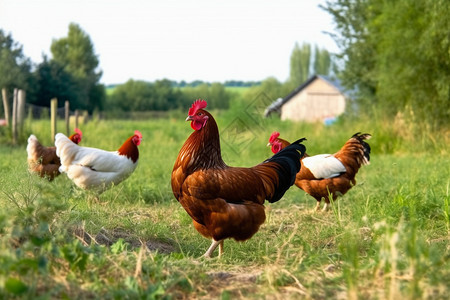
(189, 118)
(269, 144)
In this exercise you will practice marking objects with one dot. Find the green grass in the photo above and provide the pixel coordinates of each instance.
(387, 238)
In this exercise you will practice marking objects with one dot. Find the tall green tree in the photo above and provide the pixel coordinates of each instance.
(397, 54)
(413, 60)
(52, 80)
(300, 64)
(301, 61)
(15, 68)
(322, 61)
(75, 53)
(357, 46)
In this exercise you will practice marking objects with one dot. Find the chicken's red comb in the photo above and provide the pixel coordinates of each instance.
(274, 136)
(138, 133)
(198, 104)
(79, 132)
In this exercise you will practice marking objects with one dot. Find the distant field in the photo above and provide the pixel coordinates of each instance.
(110, 89)
(388, 238)
(237, 89)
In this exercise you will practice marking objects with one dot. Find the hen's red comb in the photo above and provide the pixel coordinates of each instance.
(198, 104)
(274, 136)
(79, 132)
(138, 134)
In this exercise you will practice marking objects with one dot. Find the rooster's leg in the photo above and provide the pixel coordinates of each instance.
(221, 248)
(211, 249)
(325, 207)
(318, 206)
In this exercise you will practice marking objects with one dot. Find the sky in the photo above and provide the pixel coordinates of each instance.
(208, 40)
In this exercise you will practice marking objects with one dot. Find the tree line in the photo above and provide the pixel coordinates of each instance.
(72, 73)
(138, 95)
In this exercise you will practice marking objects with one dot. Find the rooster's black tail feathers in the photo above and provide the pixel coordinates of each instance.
(366, 147)
(288, 161)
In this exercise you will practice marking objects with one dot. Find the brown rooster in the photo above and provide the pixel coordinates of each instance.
(43, 160)
(329, 174)
(223, 201)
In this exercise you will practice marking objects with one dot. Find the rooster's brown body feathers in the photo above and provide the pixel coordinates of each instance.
(223, 201)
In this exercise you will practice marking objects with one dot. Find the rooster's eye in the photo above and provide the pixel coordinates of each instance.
(200, 114)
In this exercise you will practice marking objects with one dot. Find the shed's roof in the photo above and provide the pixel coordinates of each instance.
(277, 104)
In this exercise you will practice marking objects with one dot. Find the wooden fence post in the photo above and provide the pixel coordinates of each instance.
(77, 114)
(14, 118)
(85, 116)
(5, 105)
(53, 110)
(66, 115)
(21, 109)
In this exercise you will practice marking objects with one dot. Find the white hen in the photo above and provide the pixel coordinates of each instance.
(96, 169)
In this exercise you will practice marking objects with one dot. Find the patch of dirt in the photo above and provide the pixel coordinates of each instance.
(108, 237)
(227, 278)
(235, 284)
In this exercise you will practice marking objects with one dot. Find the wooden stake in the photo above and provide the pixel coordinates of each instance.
(53, 110)
(66, 115)
(6, 106)
(14, 118)
(77, 114)
(21, 109)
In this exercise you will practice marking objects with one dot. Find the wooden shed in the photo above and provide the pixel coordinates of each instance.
(319, 99)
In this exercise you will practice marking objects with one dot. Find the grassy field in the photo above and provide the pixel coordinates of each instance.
(388, 238)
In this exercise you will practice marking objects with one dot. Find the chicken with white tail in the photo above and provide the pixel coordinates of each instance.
(96, 169)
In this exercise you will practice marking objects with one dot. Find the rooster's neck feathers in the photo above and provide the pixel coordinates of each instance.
(129, 149)
(202, 149)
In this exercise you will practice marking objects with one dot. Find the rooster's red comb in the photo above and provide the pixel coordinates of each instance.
(138, 134)
(79, 132)
(274, 136)
(198, 104)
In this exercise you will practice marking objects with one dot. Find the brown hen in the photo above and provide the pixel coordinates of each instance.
(43, 160)
(329, 174)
